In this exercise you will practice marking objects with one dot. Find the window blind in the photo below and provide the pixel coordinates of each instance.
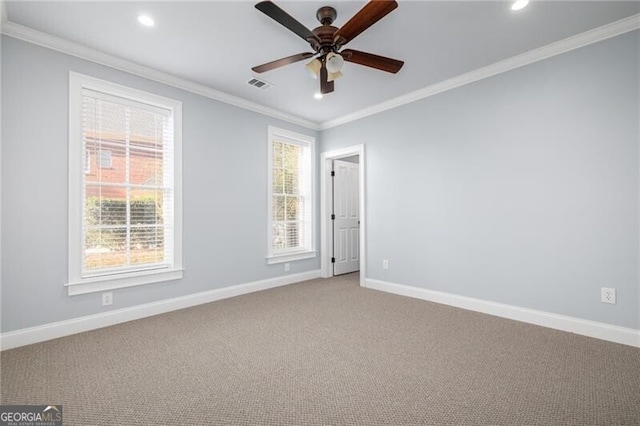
(128, 185)
(291, 196)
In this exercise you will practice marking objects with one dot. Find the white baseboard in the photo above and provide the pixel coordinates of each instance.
(612, 333)
(41, 333)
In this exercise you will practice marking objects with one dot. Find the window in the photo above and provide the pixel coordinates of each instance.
(125, 225)
(291, 204)
(105, 159)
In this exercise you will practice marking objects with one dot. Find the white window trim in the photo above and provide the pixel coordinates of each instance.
(273, 258)
(77, 284)
(290, 257)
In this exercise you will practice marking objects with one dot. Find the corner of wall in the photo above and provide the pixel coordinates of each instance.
(638, 181)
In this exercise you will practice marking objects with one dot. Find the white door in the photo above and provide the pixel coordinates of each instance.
(346, 244)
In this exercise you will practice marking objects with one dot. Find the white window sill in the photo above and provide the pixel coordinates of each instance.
(289, 257)
(111, 282)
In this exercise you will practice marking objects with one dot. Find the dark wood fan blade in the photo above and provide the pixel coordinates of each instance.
(373, 11)
(370, 60)
(274, 12)
(282, 62)
(325, 86)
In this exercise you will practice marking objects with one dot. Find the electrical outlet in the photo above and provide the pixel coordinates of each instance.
(385, 263)
(107, 299)
(608, 295)
(287, 267)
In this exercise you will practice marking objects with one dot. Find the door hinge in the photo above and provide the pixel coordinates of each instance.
(333, 217)
(333, 173)
(333, 260)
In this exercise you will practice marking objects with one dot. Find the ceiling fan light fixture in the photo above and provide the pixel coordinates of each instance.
(332, 76)
(519, 4)
(314, 68)
(334, 63)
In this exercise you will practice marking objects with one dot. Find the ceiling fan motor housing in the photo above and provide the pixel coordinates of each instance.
(325, 34)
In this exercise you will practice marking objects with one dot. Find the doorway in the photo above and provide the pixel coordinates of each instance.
(345, 216)
(348, 233)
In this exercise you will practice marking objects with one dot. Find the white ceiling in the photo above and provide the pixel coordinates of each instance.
(217, 43)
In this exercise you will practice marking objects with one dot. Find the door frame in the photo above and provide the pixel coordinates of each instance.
(326, 199)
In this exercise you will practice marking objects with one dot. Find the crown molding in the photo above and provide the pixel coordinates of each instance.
(30, 35)
(586, 38)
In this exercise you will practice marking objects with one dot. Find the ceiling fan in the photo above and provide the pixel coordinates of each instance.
(327, 41)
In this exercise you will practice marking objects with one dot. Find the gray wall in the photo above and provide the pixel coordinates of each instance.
(522, 188)
(225, 192)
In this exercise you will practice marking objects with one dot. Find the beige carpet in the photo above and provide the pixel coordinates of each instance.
(327, 352)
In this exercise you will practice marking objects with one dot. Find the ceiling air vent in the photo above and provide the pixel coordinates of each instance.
(260, 84)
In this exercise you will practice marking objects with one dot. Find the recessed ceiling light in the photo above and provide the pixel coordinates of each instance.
(318, 96)
(519, 4)
(146, 20)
